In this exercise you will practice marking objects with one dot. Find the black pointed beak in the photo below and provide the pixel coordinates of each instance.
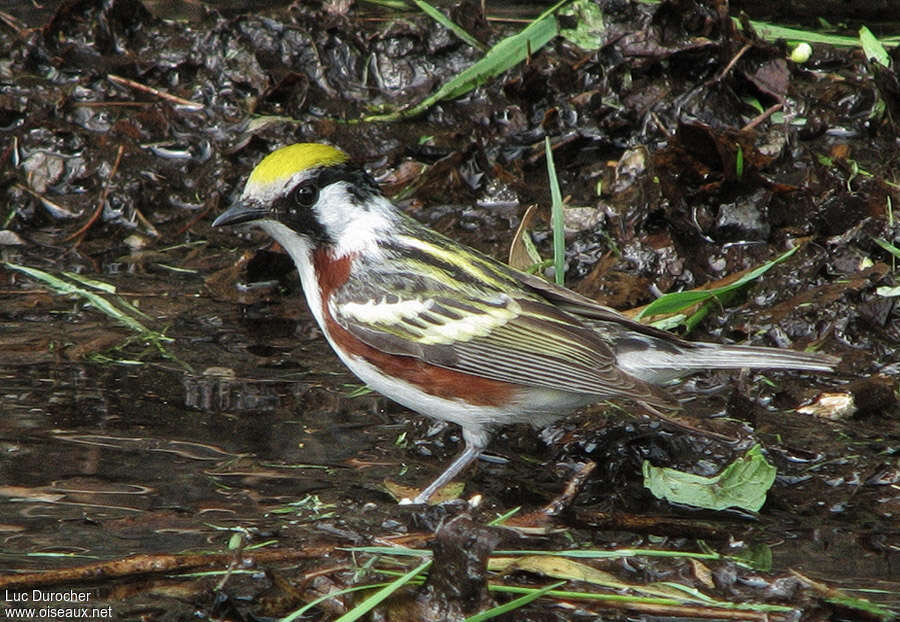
(238, 213)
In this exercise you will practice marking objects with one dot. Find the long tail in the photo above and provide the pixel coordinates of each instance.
(661, 364)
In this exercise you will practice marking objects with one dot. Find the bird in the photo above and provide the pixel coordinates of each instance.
(450, 332)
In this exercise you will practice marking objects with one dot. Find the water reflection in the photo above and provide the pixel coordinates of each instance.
(90, 446)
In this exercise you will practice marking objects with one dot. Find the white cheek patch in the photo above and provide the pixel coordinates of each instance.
(353, 229)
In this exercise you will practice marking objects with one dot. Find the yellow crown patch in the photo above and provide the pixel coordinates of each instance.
(284, 162)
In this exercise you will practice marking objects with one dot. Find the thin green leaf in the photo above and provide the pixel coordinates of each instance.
(758, 555)
(108, 288)
(97, 301)
(357, 390)
(626, 598)
(753, 102)
(721, 300)
(505, 516)
(506, 54)
(864, 605)
(597, 554)
(372, 601)
(103, 286)
(294, 615)
(557, 218)
(513, 604)
(772, 32)
(742, 484)
(397, 5)
(873, 48)
(675, 302)
(893, 250)
(449, 24)
(387, 550)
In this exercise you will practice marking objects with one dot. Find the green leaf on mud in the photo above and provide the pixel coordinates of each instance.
(675, 302)
(448, 23)
(742, 484)
(506, 54)
(589, 31)
(513, 604)
(111, 304)
(873, 47)
(372, 601)
(100, 303)
(773, 32)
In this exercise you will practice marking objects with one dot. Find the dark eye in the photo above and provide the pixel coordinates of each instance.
(306, 194)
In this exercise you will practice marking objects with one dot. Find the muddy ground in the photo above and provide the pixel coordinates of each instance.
(688, 149)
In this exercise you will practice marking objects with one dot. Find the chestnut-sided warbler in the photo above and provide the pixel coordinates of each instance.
(448, 331)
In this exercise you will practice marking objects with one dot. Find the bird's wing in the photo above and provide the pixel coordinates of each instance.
(501, 333)
(592, 312)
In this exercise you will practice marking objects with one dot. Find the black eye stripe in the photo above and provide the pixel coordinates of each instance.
(296, 207)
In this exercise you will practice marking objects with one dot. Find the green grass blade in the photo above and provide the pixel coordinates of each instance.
(97, 301)
(505, 516)
(627, 598)
(124, 317)
(863, 605)
(771, 32)
(893, 250)
(396, 5)
(513, 604)
(675, 302)
(108, 288)
(372, 601)
(873, 47)
(386, 550)
(294, 615)
(557, 218)
(449, 24)
(601, 554)
(506, 54)
(102, 286)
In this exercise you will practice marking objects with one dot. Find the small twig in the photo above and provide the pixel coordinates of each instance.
(103, 194)
(762, 116)
(730, 64)
(147, 224)
(153, 91)
(211, 204)
(659, 124)
(661, 525)
(154, 564)
(565, 500)
(13, 23)
(683, 425)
